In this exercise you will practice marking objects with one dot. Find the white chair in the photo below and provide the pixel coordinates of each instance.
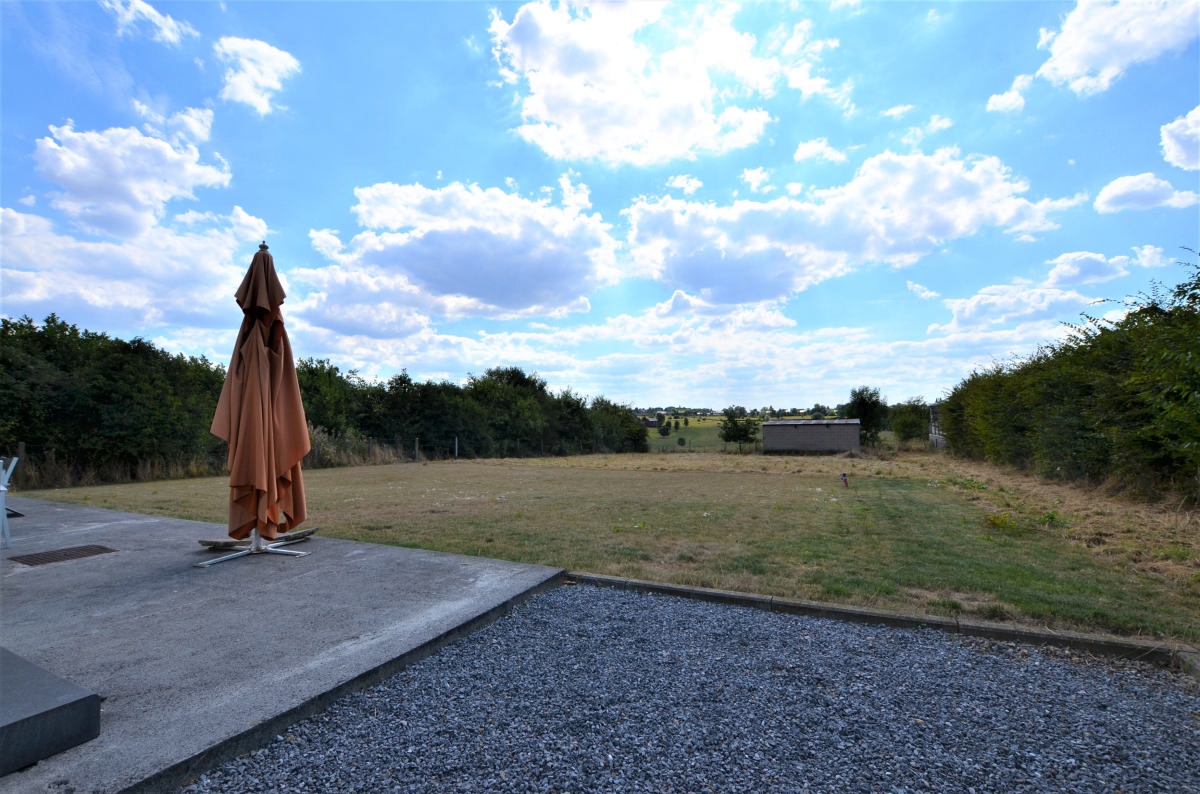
(6, 470)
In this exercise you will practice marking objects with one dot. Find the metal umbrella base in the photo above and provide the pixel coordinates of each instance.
(260, 546)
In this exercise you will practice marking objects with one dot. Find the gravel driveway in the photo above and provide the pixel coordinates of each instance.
(590, 689)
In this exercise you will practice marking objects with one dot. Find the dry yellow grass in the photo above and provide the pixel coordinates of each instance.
(916, 531)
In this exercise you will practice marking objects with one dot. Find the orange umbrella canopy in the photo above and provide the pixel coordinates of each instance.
(260, 413)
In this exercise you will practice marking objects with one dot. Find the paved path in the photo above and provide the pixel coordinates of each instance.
(197, 664)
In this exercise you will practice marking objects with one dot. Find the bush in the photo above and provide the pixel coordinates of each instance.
(1117, 402)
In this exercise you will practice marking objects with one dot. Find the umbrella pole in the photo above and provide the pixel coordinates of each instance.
(258, 546)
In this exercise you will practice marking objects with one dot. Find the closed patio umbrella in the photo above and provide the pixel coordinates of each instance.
(261, 416)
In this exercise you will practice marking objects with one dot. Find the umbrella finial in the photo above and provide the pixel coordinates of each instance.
(263, 247)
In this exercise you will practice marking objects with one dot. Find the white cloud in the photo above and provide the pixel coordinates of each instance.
(194, 124)
(256, 73)
(938, 123)
(896, 209)
(1010, 304)
(802, 71)
(720, 355)
(575, 197)
(1149, 256)
(688, 184)
(935, 124)
(1142, 192)
(566, 355)
(818, 148)
(1101, 39)
(357, 300)
(189, 124)
(165, 276)
(912, 203)
(922, 292)
(462, 249)
(1085, 267)
(1013, 99)
(646, 83)
(1023, 314)
(164, 28)
(119, 181)
(899, 111)
(757, 179)
(592, 89)
(680, 304)
(1181, 141)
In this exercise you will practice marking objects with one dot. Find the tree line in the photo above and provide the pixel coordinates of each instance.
(81, 407)
(505, 412)
(1117, 401)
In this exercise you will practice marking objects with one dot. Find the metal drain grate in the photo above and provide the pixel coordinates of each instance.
(60, 555)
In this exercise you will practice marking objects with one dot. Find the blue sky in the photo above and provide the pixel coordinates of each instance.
(701, 204)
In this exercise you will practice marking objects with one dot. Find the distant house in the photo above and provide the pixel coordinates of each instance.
(811, 435)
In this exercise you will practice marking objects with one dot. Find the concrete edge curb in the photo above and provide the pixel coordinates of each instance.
(1165, 654)
(180, 774)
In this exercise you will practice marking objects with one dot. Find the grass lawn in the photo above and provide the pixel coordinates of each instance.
(916, 532)
(699, 435)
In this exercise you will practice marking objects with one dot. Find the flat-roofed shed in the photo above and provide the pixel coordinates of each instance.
(811, 435)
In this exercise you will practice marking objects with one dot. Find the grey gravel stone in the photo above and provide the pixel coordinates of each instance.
(589, 689)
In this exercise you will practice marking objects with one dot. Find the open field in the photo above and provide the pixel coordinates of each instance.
(700, 435)
(917, 532)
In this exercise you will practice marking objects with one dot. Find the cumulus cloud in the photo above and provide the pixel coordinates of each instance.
(1181, 141)
(187, 125)
(1013, 99)
(1085, 267)
(593, 85)
(354, 300)
(1141, 192)
(757, 179)
(179, 276)
(462, 249)
(163, 28)
(912, 203)
(1010, 304)
(1149, 256)
(896, 209)
(899, 111)
(688, 184)
(256, 71)
(818, 148)
(118, 181)
(1101, 39)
